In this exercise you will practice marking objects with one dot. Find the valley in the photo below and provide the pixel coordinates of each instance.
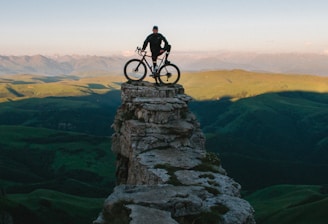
(268, 129)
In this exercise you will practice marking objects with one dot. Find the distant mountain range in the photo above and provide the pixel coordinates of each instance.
(59, 65)
(288, 63)
(314, 64)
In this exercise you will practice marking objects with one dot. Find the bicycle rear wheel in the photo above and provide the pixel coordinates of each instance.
(135, 70)
(169, 74)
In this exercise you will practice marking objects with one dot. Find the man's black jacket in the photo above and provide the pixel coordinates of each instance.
(155, 40)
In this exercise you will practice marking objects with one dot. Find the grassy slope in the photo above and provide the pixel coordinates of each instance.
(279, 137)
(228, 86)
(276, 137)
(52, 207)
(75, 163)
(286, 204)
(238, 84)
(87, 114)
(18, 87)
(79, 164)
(200, 85)
(276, 118)
(273, 124)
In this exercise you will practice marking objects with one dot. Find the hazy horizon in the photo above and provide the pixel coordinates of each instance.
(292, 63)
(133, 53)
(103, 27)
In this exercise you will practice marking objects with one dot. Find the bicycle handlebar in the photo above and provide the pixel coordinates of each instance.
(140, 51)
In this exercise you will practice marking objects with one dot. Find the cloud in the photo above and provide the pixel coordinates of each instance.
(325, 52)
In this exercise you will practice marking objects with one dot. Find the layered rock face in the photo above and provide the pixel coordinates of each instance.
(164, 173)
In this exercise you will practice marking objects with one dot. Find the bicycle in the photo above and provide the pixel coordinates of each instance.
(136, 70)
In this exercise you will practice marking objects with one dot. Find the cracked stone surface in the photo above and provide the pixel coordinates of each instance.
(141, 215)
(163, 171)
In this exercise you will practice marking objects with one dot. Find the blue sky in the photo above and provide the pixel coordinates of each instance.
(104, 27)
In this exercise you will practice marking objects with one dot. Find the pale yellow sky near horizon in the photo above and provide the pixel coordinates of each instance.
(101, 27)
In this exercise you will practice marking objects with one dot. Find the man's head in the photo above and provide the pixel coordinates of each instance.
(155, 29)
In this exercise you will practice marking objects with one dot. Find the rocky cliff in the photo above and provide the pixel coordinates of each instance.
(164, 173)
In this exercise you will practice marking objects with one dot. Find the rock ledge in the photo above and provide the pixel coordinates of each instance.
(164, 173)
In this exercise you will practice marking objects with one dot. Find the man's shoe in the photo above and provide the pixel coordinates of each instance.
(167, 62)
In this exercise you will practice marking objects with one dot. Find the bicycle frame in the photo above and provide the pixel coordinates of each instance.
(149, 65)
(167, 73)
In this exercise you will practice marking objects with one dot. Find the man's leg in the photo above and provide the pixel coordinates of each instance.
(167, 54)
(154, 57)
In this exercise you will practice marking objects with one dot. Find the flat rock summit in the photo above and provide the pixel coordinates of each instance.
(164, 174)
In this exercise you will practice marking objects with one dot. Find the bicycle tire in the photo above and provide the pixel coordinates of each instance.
(135, 70)
(169, 74)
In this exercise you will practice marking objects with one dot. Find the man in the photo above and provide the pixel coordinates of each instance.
(155, 40)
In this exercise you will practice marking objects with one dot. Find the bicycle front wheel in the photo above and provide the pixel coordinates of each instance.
(135, 70)
(169, 74)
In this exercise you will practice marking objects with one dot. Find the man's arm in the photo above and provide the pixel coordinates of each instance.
(165, 42)
(145, 43)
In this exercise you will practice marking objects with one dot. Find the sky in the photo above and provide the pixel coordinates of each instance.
(104, 27)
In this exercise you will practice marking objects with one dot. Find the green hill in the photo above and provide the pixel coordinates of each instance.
(237, 84)
(74, 163)
(25, 86)
(269, 139)
(91, 114)
(54, 134)
(51, 207)
(285, 204)
(267, 128)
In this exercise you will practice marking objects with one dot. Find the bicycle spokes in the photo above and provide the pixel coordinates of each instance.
(169, 74)
(135, 70)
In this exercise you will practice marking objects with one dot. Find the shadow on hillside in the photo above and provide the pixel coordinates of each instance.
(25, 163)
(91, 114)
(49, 79)
(273, 138)
(207, 110)
(14, 92)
